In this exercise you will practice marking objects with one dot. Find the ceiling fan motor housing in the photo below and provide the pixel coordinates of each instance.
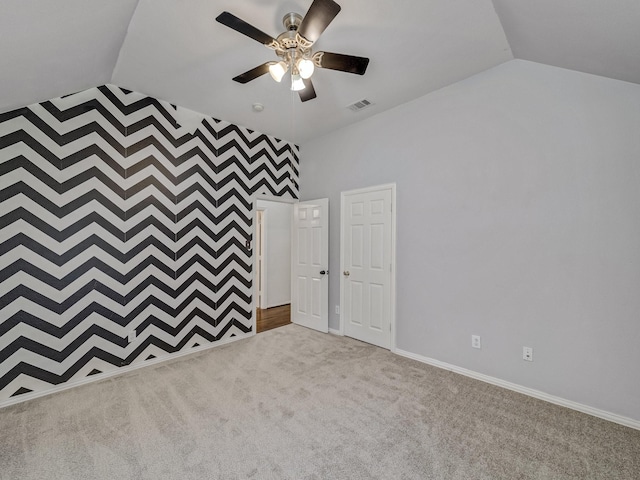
(289, 39)
(292, 21)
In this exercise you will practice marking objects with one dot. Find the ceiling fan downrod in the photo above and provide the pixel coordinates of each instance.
(295, 57)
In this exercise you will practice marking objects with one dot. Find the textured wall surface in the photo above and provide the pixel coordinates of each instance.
(518, 220)
(115, 218)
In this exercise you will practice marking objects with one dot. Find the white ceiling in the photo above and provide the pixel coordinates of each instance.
(53, 48)
(594, 36)
(176, 51)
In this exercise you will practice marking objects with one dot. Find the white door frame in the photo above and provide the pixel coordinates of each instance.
(388, 186)
(260, 276)
(254, 255)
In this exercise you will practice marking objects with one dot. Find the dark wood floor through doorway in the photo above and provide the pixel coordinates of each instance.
(274, 317)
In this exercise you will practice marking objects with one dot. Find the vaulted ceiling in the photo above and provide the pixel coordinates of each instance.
(176, 51)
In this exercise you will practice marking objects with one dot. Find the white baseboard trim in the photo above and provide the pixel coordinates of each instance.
(119, 371)
(335, 331)
(612, 417)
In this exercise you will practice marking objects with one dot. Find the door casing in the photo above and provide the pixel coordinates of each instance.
(260, 263)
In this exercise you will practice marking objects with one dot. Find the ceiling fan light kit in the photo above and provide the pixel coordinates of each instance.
(297, 83)
(294, 47)
(305, 67)
(277, 70)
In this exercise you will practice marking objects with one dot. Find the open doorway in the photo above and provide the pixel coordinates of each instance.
(272, 263)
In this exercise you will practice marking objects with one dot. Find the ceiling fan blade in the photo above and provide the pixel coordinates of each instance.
(308, 93)
(318, 17)
(253, 73)
(343, 63)
(243, 27)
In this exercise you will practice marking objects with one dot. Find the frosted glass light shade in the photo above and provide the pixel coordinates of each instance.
(305, 67)
(277, 70)
(297, 83)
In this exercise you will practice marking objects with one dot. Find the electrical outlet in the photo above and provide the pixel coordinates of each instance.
(337, 309)
(527, 354)
(131, 336)
(475, 341)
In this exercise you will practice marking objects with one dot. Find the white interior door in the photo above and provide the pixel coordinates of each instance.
(367, 264)
(309, 264)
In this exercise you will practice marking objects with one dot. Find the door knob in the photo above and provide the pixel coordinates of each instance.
(324, 272)
(346, 273)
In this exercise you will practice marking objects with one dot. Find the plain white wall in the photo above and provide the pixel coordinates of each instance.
(278, 251)
(518, 220)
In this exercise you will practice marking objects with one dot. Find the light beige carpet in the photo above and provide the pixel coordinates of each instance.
(295, 404)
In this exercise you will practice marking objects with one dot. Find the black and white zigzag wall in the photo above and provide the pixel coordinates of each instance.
(116, 219)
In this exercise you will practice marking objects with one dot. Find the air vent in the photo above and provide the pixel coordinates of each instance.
(361, 105)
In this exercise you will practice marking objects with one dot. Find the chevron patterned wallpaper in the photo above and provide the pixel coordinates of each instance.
(114, 219)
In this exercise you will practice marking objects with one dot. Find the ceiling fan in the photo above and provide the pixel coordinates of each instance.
(294, 47)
